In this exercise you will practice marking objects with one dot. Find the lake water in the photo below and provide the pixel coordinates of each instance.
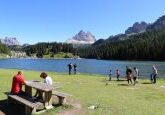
(90, 66)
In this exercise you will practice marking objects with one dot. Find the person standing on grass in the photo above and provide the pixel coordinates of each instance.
(129, 74)
(135, 75)
(117, 74)
(18, 81)
(75, 68)
(154, 74)
(110, 74)
(70, 68)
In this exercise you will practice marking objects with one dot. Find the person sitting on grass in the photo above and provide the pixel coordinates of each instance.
(47, 80)
(18, 81)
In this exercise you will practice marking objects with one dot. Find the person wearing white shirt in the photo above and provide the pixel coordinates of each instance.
(47, 80)
(155, 72)
(135, 75)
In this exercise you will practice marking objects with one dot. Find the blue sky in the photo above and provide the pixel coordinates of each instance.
(33, 21)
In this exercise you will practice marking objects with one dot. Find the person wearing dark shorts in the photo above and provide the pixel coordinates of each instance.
(128, 74)
(135, 75)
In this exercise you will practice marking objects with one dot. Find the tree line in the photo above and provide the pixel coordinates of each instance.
(4, 49)
(41, 49)
(149, 45)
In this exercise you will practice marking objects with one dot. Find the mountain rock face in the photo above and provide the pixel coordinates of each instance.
(82, 38)
(137, 28)
(10, 41)
(143, 26)
(158, 24)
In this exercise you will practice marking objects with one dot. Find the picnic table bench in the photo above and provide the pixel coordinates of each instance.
(61, 96)
(31, 105)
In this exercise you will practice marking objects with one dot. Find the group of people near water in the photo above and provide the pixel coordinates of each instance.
(18, 79)
(133, 74)
(70, 66)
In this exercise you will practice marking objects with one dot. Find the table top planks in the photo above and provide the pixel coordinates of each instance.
(39, 85)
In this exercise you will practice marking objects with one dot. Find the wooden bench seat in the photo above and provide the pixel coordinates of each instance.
(30, 105)
(61, 96)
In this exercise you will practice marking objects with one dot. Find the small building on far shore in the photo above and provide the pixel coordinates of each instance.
(17, 54)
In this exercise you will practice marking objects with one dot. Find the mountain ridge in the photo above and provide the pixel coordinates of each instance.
(10, 41)
(82, 38)
(137, 28)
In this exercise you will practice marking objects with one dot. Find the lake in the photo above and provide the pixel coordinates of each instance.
(90, 66)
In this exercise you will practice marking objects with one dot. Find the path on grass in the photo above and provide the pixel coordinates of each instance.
(75, 110)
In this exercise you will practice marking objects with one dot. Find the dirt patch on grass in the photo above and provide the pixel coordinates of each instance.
(75, 110)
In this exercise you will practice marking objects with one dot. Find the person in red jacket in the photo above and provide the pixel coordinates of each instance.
(18, 81)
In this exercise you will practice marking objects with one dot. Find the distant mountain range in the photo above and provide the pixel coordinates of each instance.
(136, 28)
(158, 24)
(143, 26)
(82, 38)
(10, 41)
(88, 38)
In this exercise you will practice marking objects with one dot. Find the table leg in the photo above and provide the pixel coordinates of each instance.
(28, 90)
(48, 100)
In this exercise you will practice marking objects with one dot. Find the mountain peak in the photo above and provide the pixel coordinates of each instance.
(137, 28)
(10, 41)
(158, 24)
(82, 38)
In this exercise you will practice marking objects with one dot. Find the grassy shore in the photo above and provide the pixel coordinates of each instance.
(116, 98)
(59, 55)
(2, 56)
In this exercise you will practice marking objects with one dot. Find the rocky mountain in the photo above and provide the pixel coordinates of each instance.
(137, 28)
(158, 24)
(143, 26)
(10, 41)
(82, 38)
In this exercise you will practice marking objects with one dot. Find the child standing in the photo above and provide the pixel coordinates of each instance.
(110, 74)
(117, 74)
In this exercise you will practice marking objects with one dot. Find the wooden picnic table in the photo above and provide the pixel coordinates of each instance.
(45, 88)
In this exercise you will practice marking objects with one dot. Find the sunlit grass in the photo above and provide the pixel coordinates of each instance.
(2, 55)
(116, 98)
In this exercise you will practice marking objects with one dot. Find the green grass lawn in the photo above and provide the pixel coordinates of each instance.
(116, 98)
(3, 55)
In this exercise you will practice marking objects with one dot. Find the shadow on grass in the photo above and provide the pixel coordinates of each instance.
(106, 80)
(10, 109)
(120, 80)
(123, 84)
(146, 83)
